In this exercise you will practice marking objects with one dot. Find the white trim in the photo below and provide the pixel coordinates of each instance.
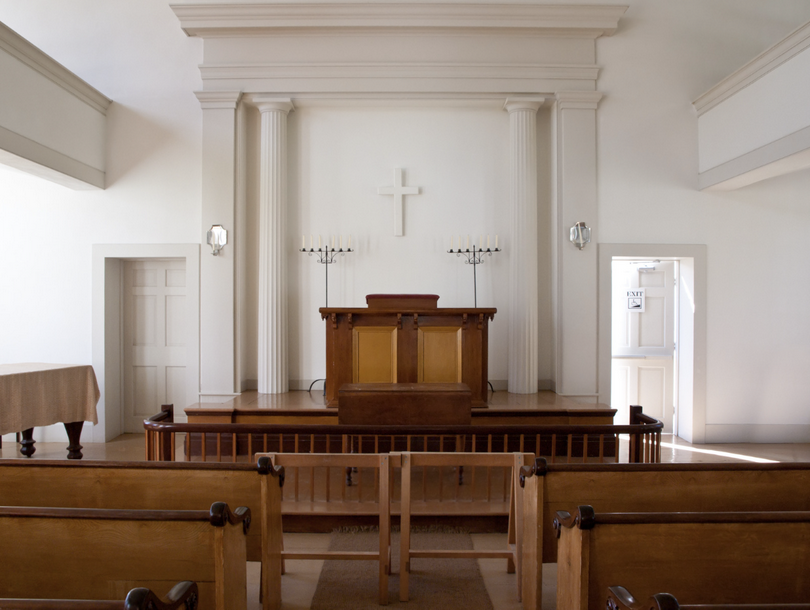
(31, 56)
(211, 20)
(762, 64)
(697, 252)
(107, 314)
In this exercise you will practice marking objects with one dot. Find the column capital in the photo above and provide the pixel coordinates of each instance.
(218, 100)
(513, 104)
(580, 100)
(270, 104)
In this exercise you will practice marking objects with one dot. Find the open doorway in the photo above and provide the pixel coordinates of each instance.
(652, 352)
(644, 327)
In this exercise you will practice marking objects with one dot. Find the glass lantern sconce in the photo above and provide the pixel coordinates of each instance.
(580, 235)
(217, 238)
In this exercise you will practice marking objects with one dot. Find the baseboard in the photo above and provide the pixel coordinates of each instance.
(757, 433)
(304, 384)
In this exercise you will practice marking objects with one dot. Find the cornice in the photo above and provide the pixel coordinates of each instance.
(267, 103)
(765, 62)
(516, 103)
(216, 20)
(21, 49)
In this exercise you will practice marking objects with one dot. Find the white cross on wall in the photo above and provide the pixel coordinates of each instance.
(398, 191)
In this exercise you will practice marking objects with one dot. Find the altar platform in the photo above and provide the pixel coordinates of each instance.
(301, 407)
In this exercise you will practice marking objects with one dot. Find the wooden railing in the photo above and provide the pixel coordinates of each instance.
(558, 443)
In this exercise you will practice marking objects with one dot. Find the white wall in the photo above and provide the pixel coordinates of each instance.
(664, 55)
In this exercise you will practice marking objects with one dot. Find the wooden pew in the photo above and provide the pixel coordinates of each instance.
(646, 488)
(698, 557)
(184, 595)
(376, 501)
(133, 485)
(410, 461)
(101, 554)
(620, 598)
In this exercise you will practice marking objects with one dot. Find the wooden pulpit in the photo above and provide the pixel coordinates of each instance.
(406, 338)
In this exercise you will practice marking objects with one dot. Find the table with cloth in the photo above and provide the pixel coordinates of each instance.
(37, 394)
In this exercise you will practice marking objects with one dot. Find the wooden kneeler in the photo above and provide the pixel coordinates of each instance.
(513, 554)
(274, 554)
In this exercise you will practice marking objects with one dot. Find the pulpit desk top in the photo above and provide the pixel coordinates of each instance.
(37, 394)
(406, 339)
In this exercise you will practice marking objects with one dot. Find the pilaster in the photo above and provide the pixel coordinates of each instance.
(218, 342)
(273, 326)
(576, 270)
(523, 350)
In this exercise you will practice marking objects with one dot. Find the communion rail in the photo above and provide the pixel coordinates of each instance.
(557, 443)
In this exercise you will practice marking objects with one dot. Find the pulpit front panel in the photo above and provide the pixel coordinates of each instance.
(439, 359)
(374, 354)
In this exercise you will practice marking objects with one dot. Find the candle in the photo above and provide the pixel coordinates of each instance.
(350, 242)
(480, 241)
(341, 242)
(319, 241)
(496, 242)
(303, 242)
(468, 242)
(310, 241)
(333, 242)
(487, 242)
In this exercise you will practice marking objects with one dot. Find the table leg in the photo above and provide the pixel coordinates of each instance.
(74, 432)
(27, 442)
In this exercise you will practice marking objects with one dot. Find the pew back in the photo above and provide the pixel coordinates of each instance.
(647, 488)
(183, 595)
(102, 554)
(132, 485)
(698, 557)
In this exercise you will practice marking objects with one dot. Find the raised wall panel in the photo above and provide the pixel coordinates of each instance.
(143, 320)
(374, 350)
(175, 320)
(651, 327)
(439, 359)
(652, 390)
(145, 402)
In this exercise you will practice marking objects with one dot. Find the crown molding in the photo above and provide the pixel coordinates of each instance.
(18, 47)
(234, 20)
(765, 62)
(580, 100)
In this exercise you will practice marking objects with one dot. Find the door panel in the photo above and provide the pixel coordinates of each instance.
(155, 334)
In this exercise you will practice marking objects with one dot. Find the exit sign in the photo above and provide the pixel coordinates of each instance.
(635, 300)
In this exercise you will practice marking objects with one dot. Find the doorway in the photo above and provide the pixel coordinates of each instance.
(663, 350)
(643, 331)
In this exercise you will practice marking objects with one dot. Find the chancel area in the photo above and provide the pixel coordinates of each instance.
(391, 273)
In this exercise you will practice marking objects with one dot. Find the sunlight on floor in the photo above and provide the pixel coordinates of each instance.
(714, 452)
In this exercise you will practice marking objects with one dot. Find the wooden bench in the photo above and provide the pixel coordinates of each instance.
(646, 488)
(698, 557)
(101, 554)
(411, 461)
(315, 498)
(133, 485)
(184, 595)
(620, 598)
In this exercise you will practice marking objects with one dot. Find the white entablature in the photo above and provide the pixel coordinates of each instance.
(392, 48)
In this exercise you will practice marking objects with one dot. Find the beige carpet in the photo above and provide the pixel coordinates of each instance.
(436, 584)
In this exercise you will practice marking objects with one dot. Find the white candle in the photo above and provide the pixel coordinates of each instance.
(303, 242)
(310, 241)
(468, 242)
(487, 242)
(341, 242)
(350, 242)
(480, 241)
(319, 241)
(496, 242)
(333, 242)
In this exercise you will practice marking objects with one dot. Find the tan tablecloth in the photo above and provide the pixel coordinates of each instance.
(36, 394)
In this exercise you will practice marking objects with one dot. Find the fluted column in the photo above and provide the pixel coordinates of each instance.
(523, 324)
(273, 348)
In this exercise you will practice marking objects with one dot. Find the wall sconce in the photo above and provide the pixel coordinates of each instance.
(580, 235)
(217, 238)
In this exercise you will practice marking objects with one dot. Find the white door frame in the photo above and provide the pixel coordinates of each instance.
(691, 424)
(108, 273)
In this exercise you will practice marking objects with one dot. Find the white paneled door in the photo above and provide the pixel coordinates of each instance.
(154, 338)
(643, 341)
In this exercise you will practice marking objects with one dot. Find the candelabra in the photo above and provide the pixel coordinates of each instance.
(474, 257)
(327, 256)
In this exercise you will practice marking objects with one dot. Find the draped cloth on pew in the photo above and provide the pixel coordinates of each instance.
(37, 394)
